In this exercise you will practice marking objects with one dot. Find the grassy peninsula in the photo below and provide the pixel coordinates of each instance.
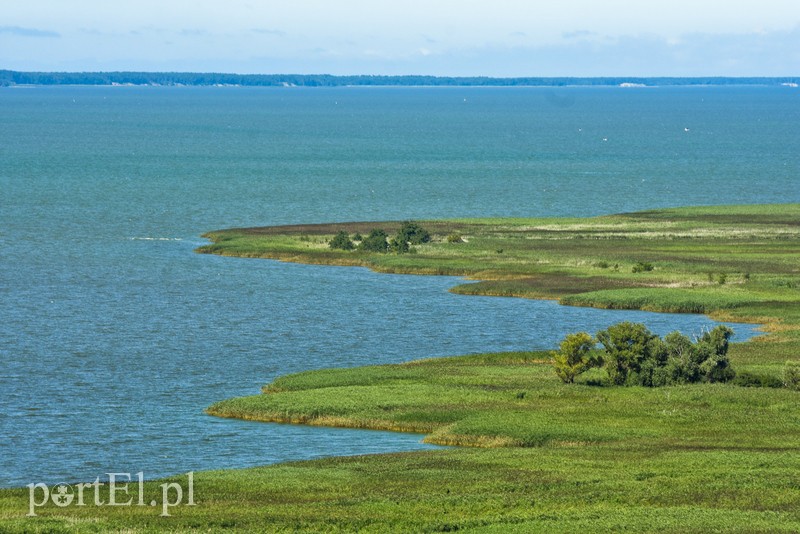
(542, 456)
(734, 262)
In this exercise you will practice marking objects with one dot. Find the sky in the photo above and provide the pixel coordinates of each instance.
(431, 37)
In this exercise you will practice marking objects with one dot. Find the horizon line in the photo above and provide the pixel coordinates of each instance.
(171, 78)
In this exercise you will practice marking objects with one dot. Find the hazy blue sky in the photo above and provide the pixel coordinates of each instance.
(444, 37)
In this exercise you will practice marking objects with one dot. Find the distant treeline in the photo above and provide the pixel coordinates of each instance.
(9, 77)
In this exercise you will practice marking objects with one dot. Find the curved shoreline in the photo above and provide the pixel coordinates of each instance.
(548, 259)
(572, 276)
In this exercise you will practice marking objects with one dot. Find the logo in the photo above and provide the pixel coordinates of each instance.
(115, 492)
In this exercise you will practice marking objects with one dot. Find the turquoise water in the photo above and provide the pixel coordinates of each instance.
(115, 335)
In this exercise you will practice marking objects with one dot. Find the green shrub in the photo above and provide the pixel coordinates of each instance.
(791, 375)
(413, 234)
(398, 245)
(641, 267)
(454, 238)
(409, 234)
(749, 379)
(375, 242)
(627, 345)
(341, 241)
(711, 353)
(634, 356)
(720, 278)
(576, 354)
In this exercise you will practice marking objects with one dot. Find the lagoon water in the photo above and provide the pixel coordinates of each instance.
(115, 334)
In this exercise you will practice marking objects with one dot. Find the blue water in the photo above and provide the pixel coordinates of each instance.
(115, 335)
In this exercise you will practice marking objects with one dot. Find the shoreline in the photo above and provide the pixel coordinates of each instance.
(306, 244)
(541, 455)
(538, 283)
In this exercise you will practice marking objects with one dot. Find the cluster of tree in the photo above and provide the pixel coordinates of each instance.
(632, 355)
(9, 77)
(409, 234)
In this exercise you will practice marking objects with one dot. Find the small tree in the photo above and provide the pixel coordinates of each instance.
(681, 366)
(341, 241)
(717, 339)
(712, 355)
(409, 234)
(413, 234)
(398, 245)
(627, 346)
(576, 354)
(375, 242)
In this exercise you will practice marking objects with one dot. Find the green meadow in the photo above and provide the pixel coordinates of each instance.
(533, 454)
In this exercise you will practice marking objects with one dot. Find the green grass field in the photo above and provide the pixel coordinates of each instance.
(539, 455)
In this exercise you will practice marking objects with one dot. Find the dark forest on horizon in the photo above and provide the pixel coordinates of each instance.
(11, 78)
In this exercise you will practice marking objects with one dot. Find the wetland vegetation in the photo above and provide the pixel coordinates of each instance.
(542, 455)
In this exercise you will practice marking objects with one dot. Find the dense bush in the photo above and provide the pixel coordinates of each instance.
(413, 234)
(634, 356)
(375, 242)
(341, 241)
(399, 245)
(749, 379)
(628, 346)
(791, 375)
(641, 267)
(410, 233)
(576, 354)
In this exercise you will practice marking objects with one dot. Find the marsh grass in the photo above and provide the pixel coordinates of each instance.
(548, 489)
(559, 458)
(474, 400)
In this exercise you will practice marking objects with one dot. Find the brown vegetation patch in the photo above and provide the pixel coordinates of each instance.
(544, 286)
(362, 227)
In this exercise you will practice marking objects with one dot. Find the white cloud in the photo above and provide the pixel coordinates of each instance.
(456, 37)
